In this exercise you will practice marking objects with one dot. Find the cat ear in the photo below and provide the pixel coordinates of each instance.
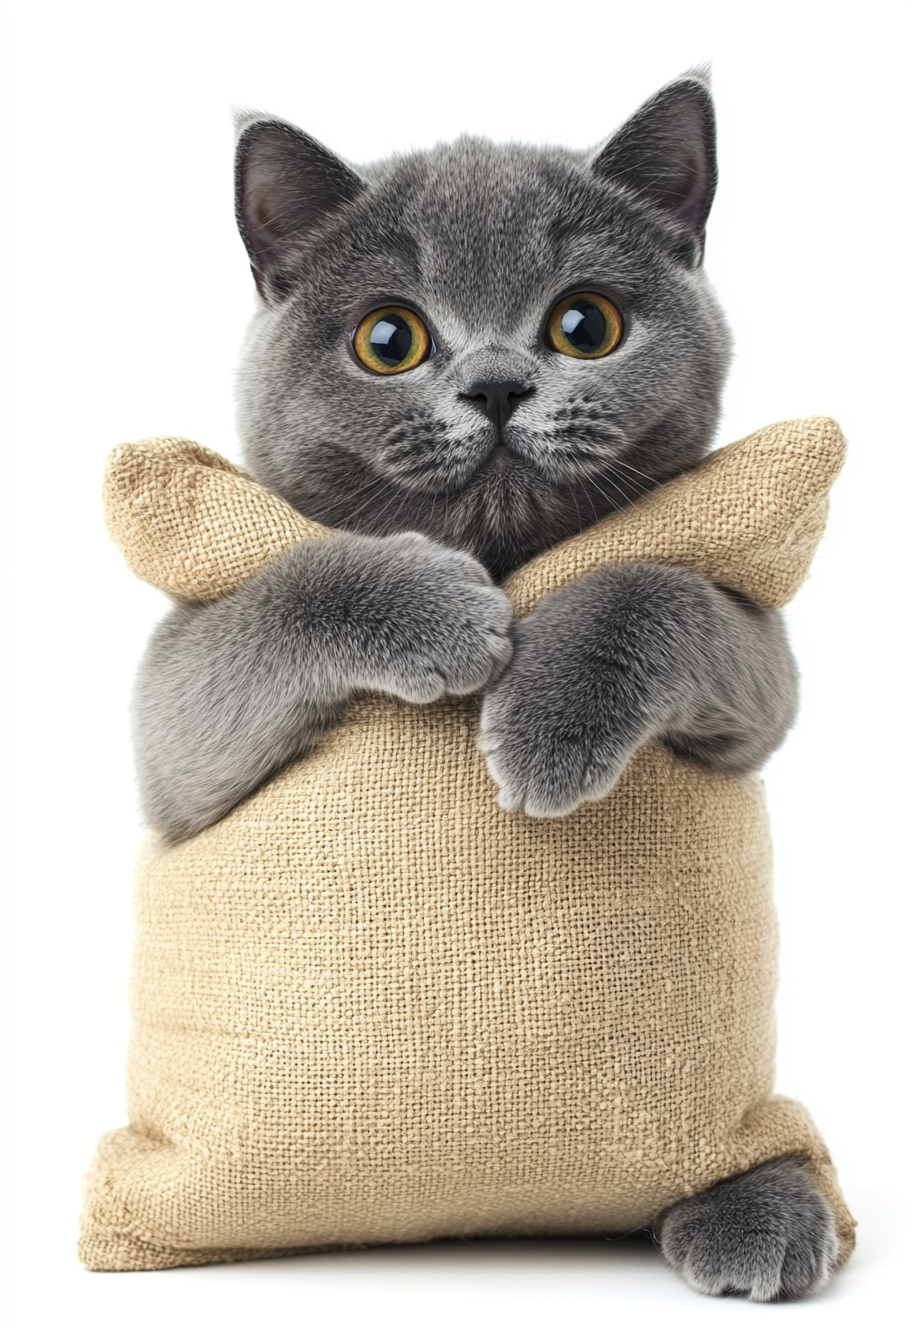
(286, 183)
(666, 154)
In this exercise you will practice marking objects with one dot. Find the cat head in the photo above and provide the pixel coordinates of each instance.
(493, 344)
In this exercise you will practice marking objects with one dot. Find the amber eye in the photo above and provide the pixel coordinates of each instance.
(391, 340)
(586, 326)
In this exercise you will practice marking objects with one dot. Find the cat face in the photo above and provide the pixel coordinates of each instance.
(503, 438)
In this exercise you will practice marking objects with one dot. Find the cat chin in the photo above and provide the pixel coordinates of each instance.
(502, 469)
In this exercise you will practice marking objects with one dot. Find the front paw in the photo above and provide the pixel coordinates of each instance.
(595, 674)
(548, 746)
(434, 621)
(768, 1233)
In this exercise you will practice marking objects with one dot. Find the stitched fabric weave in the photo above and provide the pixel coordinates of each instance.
(370, 1006)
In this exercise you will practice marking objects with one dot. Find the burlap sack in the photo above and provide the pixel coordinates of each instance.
(371, 1006)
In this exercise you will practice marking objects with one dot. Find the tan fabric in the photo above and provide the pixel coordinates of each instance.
(190, 522)
(750, 517)
(371, 1006)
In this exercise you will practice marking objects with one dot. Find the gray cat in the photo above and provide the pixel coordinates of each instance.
(459, 358)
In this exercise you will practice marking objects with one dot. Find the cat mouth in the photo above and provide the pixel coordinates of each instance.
(506, 457)
(500, 459)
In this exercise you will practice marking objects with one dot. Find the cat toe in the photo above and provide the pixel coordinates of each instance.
(500, 648)
(420, 687)
(519, 790)
(527, 781)
(768, 1234)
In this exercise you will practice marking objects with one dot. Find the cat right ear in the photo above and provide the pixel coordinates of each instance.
(666, 156)
(286, 184)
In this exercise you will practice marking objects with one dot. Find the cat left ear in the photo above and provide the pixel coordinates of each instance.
(286, 184)
(666, 155)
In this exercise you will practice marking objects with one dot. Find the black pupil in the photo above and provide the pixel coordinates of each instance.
(391, 339)
(584, 325)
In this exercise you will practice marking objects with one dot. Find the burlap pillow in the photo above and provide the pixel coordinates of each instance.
(371, 1006)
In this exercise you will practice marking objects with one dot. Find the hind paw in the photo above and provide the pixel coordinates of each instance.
(768, 1234)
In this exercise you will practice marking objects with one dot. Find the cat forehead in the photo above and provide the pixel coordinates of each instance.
(475, 178)
(481, 224)
(502, 195)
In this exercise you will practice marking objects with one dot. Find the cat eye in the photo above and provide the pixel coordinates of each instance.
(586, 326)
(391, 340)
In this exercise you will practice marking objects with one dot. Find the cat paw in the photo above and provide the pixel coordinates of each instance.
(588, 684)
(768, 1234)
(546, 753)
(437, 622)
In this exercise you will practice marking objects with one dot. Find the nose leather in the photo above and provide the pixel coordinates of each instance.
(498, 398)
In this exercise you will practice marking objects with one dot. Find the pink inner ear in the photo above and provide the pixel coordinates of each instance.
(666, 153)
(286, 184)
(261, 225)
(263, 205)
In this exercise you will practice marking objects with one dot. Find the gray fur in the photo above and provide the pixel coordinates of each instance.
(627, 654)
(232, 691)
(494, 449)
(768, 1233)
(482, 239)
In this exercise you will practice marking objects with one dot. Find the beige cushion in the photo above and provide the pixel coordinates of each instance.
(370, 1006)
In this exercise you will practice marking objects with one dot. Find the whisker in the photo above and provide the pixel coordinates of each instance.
(618, 461)
(612, 463)
(370, 489)
(590, 482)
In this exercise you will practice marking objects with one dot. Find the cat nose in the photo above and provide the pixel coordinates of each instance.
(498, 399)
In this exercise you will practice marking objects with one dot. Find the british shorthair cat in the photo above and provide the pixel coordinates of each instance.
(459, 358)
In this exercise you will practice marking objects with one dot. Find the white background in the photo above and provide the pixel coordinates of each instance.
(127, 292)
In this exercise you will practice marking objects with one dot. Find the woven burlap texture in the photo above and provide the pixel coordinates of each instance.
(371, 1006)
